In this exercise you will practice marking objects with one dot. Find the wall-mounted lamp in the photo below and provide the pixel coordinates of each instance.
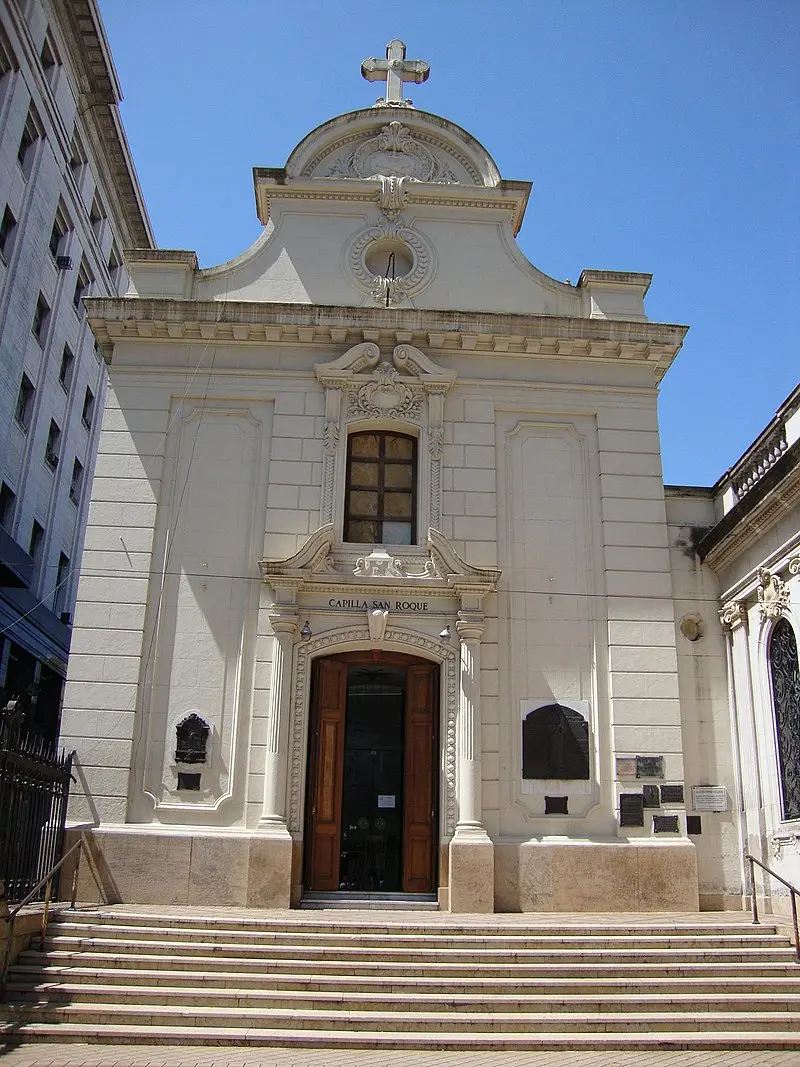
(445, 634)
(306, 631)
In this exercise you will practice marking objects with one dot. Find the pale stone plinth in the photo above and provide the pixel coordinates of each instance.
(471, 874)
(237, 870)
(592, 876)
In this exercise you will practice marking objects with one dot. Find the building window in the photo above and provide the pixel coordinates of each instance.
(82, 287)
(35, 549)
(31, 133)
(66, 368)
(115, 266)
(62, 579)
(88, 409)
(380, 502)
(40, 317)
(77, 481)
(50, 59)
(58, 236)
(22, 413)
(7, 230)
(97, 218)
(8, 499)
(785, 677)
(53, 445)
(77, 157)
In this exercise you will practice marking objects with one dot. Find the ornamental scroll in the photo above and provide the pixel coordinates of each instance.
(407, 388)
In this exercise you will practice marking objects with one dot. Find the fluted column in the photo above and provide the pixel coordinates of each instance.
(470, 628)
(273, 816)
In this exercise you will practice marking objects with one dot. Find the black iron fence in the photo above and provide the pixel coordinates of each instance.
(34, 788)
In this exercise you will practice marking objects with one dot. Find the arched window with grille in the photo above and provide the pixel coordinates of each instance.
(381, 491)
(785, 678)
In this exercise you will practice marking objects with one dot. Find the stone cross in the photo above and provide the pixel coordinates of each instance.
(396, 69)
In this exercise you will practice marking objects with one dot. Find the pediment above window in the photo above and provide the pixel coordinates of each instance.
(319, 561)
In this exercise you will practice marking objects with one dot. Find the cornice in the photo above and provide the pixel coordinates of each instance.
(273, 184)
(259, 323)
(98, 106)
(748, 520)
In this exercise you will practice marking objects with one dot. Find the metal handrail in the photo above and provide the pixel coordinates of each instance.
(47, 880)
(794, 892)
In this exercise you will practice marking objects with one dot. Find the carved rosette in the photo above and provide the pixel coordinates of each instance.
(773, 595)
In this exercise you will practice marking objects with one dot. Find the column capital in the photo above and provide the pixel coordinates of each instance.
(732, 615)
(283, 623)
(470, 626)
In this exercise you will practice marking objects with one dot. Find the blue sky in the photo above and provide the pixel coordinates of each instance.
(660, 135)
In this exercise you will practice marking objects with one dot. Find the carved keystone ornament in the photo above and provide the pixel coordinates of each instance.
(773, 595)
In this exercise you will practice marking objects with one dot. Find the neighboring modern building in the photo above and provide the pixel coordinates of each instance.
(379, 591)
(70, 203)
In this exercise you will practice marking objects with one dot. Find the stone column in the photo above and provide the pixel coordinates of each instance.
(273, 815)
(735, 621)
(270, 871)
(471, 850)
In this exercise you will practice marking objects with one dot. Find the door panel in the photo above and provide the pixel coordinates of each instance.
(420, 780)
(327, 727)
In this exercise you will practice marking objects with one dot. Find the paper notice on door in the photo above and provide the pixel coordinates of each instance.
(386, 800)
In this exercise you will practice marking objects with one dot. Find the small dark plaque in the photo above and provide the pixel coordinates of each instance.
(555, 805)
(671, 794)
(192, 736)
(649, 766)
(555, 743)
(651, 796)
(694, 824)
(665, 824)
(631, 809)
(188, 781)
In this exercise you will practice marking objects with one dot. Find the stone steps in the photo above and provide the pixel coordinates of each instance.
(400, 1020)
(80, 995)
(378, 1040)
(119, 976)
(499, 942)
(781, 980)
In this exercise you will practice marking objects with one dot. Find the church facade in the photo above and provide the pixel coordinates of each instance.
(382, 592)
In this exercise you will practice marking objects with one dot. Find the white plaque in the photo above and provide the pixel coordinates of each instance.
(709, 798)
(386, 800)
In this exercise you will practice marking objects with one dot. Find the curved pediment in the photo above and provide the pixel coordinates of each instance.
(390, 143)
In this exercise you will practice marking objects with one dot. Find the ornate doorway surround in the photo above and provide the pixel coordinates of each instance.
(334, 594)
(372, 786)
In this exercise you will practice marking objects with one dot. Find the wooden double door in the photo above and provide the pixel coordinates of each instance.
(372, 774)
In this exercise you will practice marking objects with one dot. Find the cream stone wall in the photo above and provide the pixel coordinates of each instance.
(540, 572)
(711, 747)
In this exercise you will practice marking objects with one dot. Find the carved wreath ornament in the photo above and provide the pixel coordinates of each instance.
(393, 151)
(385, 396)
(379, 286)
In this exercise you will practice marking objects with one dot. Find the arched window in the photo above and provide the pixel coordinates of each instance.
(785, 676)
(381, 500)
(555, 743)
